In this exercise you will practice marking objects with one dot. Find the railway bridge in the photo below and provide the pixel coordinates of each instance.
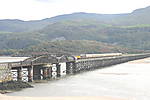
(52, 66)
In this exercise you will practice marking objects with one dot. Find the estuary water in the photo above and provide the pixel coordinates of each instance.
(129, 80)
(11, 59)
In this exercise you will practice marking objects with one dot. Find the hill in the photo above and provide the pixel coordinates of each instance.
(73, 47)
(130, 30)
(139, 16)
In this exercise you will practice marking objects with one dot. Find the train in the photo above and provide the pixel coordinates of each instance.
(84, 56)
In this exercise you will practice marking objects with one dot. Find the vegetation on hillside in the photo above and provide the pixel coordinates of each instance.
(73, 47)
(78, 33)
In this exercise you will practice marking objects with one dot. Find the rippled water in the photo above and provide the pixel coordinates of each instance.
(129, 80)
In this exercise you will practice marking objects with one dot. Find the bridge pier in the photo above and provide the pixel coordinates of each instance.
(30, 74)
(49, 73)
(58, 70)
(40, 72)
(54, 70)
(37, 73)
(19, 72)
(70, 67)
(44, 73)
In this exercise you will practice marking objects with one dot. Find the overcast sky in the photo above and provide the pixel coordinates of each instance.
(39, 9)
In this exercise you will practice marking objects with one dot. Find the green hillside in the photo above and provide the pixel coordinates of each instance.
(72, 47)
(76, 31)
(136, 36)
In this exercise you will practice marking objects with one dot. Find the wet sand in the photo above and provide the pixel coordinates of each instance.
(3, 97)
(141, 61)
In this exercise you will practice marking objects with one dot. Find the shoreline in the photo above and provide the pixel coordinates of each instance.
(3, 97)
(140, 61)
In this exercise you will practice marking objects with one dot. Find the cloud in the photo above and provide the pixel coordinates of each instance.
(44, 0)
(51, 1)
(39, 9)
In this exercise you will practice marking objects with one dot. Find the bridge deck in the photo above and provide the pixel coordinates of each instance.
(49, 59)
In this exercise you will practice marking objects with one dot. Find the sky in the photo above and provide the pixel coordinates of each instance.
(40, 9)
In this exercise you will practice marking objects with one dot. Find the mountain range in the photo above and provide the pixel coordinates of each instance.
(130, 30)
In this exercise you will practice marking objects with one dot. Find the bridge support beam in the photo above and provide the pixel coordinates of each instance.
(70, 67)
(49, 73)
(19, 72)
(30, 74)
(37, 73)
(58, 70)
(45, 73)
